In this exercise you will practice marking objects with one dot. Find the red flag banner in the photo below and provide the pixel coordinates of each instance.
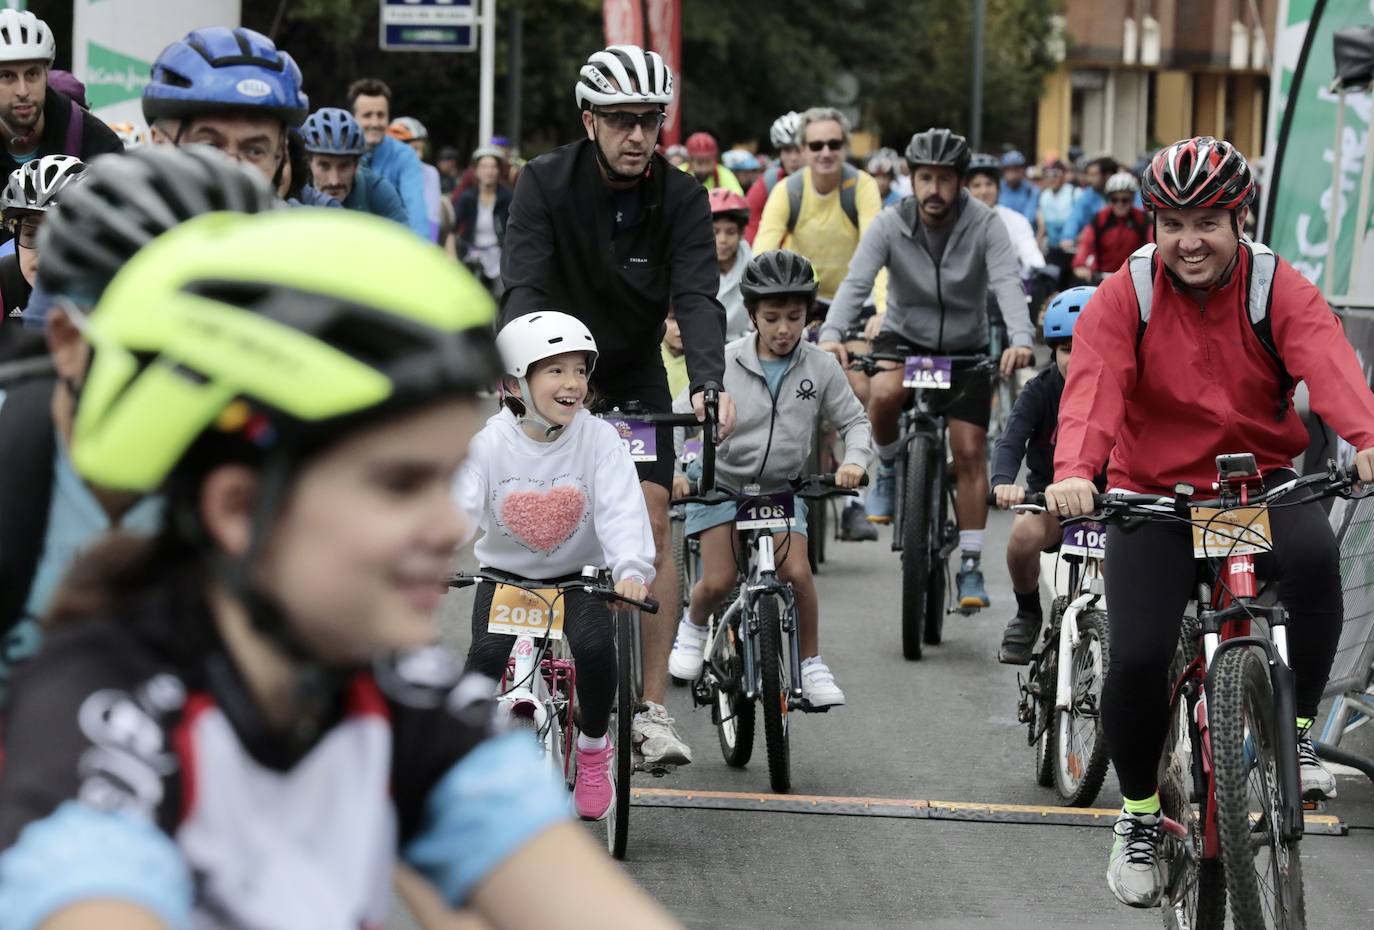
(665, 37)
(624, 22)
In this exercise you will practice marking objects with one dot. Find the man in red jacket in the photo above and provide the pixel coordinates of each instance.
(1199, 383)
(1116, 231)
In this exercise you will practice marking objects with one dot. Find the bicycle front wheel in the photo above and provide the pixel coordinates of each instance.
(915, 544)
(773, 694)
(1080, 749)
(1263, 870)
(622, 766)
(734, 712)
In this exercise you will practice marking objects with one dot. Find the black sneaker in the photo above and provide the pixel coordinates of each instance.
(854, 525)
(1019, 638)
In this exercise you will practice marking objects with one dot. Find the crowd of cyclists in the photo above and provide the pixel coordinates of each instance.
(246, 411)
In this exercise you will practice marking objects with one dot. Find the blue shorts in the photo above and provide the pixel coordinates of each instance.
(704, 516)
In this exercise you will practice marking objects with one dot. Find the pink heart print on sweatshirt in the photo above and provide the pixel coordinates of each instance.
(542, 520)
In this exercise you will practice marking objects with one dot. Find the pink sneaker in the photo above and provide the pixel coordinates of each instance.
(594, 792)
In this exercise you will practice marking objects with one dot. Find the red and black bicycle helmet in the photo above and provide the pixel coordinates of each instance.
(1197, 172)
(728, 205)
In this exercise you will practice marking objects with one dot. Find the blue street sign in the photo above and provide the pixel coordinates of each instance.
(428, 25)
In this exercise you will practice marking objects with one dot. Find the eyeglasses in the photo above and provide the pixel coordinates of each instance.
(625, 121)
(833, 144)
(25, 231)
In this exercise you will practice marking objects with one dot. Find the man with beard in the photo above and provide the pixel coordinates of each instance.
(943, 250)
(37, 120)
(607, 230)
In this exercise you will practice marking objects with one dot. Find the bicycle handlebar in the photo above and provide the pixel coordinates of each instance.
(1116, 506)
(588, 584)
(710, 428)
(810, 487)
(867, 362)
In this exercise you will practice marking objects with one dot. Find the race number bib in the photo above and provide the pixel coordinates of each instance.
(515, 611)
(691, 451)
(769, 512)
(927, 371)
(640, 439)
(1241, 531)
(1088, 540)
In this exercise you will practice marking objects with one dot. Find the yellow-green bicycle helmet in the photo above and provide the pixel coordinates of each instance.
(274, 327)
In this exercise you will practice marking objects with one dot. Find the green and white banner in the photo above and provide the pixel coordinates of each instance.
(114, 43)
(1301, 148)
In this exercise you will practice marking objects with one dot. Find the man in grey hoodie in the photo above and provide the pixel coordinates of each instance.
(943, 251)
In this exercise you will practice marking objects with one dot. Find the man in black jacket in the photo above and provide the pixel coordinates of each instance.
(35, 119)
(606, 230)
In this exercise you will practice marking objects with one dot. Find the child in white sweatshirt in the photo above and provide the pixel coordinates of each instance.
(554, 489)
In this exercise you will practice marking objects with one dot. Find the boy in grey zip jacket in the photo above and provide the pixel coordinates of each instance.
(781, 385)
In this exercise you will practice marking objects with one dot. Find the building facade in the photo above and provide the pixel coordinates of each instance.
(1137, 74)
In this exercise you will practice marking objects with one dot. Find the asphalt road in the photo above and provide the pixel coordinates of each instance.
(940, 730)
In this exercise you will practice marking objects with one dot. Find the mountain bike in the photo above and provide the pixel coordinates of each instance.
(923, 503)
(539, 687)
(752, 651)
(1229, 782)
(640, 434)
(1059, 701)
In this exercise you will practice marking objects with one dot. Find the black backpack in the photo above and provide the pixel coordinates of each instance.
(28, 437)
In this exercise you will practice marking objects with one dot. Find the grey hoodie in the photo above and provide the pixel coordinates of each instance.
(942, 307)
(773, 438)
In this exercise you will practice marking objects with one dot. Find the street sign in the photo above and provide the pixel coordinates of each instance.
(428, 25)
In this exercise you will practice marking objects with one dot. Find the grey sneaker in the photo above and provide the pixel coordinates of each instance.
(854, 525)
(1019, 638)
(652, 731)
(1133, 872)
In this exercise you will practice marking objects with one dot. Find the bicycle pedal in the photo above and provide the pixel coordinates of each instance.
(1313, 806)
(656, 769)
(808, 708)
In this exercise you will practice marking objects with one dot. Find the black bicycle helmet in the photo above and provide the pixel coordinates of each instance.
(941, 147)
(126, 200)
(981, 163)
(779, 273)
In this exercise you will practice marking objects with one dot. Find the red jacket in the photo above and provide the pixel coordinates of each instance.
(757, 198)
(1118, 239)
(1201, 384)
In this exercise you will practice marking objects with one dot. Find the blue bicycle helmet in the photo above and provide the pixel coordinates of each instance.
(333, 131)
(1063, 312)
(219, 69)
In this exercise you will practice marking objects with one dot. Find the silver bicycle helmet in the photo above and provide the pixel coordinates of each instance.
(35, 187)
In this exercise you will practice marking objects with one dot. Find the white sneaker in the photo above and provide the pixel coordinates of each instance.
(1133, 871)
(1318, 784)
(818, 685)
(688, 649)
(652, 731)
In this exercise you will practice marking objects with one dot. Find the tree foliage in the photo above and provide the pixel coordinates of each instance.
(743, 64)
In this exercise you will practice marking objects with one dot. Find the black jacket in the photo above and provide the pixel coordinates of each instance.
(560, 254)
(58, 109)
(465, 216)
(1030, 433)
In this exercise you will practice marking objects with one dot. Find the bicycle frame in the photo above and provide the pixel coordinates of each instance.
(1079, 566)
(546, 697)
(916, 420)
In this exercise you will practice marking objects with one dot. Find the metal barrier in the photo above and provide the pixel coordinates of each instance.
(1353, 669)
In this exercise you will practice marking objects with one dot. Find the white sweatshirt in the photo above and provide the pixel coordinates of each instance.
(546, 509)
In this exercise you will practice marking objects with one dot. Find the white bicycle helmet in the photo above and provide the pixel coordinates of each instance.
(532, 338)
(624, 74)
(34, 188)
(784, 130)
(25, 37)
(1122, 182)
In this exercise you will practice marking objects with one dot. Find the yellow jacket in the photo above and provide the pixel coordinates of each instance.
(823, 232)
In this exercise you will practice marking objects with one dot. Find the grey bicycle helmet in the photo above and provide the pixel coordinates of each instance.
(126, 200)
(941, 147)
(784, 130)
(779, 273)
(35, 187)
(981, 163)
(333, 131)
(624, 74)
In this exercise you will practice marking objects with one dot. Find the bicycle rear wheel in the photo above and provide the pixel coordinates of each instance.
(934, 632)
(1263, 870)
(915, 544)
(1080, 749)
(1195, 888)
(773, 694)
(734, 713)
(622, 766)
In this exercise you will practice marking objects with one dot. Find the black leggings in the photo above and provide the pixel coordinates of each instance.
(1151, 574)
(591, 639)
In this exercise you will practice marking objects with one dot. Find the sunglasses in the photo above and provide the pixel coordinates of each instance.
(833, 144)
(25, 232)
(623, 121)
(1121, 200)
